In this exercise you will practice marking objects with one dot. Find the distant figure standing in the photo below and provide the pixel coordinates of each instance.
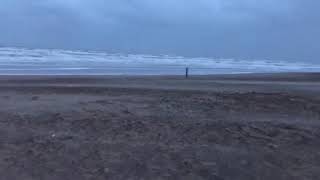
(187, 73)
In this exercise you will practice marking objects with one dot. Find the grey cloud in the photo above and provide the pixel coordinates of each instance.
(286, 29)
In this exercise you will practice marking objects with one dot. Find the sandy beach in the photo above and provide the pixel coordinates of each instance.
(219, 127)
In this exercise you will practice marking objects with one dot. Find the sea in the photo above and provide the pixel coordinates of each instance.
(23, 61)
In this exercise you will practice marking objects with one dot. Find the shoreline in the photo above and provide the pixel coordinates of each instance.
(221, 75)
(273, 82)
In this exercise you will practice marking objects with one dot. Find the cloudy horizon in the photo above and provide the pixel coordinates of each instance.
(265, 29)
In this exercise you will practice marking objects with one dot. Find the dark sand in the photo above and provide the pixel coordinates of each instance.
(239, 127)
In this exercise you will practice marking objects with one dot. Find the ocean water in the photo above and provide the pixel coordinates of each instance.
(20, 61)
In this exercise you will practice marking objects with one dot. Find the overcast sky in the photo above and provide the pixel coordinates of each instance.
(274, 29)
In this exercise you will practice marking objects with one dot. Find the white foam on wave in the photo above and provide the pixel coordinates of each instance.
(47, 61)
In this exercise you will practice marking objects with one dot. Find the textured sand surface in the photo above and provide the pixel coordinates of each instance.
(263, 126)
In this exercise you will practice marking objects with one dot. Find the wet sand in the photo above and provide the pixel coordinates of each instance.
(260, 126)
